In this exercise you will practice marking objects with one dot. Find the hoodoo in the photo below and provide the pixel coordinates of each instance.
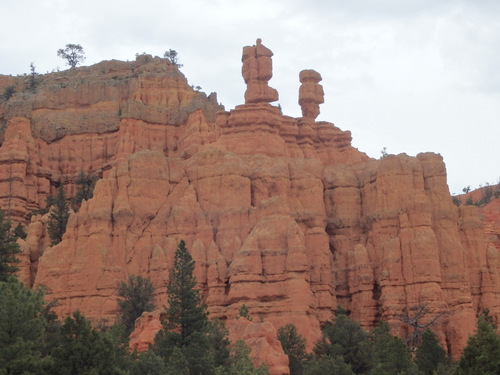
(281, 214)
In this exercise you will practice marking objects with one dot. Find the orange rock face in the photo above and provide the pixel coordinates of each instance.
(489, 212)
(146, 328)
(261, 338)
(281, 214)
(257, 71)
(311, 93)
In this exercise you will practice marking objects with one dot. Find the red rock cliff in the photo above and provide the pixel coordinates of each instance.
(279, 213)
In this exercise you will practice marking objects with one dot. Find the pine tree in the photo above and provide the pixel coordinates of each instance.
(83, 350)
(244, 312)
(482, 353)
(21, 329)
(240, 362)
(219, 342)
(294, 346)
(149, 363)
(8, 250)
(345, 338)
(391, 354)
(328, 365)
(185, 312)
(430, 354)
(186, 322)
(137, 296)
(19, 231)
(177, 363)
(58, 218)
(84, 188)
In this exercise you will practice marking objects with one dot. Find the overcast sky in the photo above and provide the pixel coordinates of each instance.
(409, 75)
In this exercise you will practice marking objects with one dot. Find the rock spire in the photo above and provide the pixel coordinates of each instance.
(257, 70)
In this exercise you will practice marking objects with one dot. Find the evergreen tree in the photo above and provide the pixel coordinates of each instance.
(240, 362)
(489, 319)
(430, 354)
(136, 297)
(58, 218)
(19, 231)
(294, 346)
(185, 312)
(186, 323)
(482, 353)
(345, 338)
(219, 342)
(32, 78)
(149, 363)
(328, 365)
(8, 250)
(52, 332)
(83, 350)
(391, 354)
(244, 312)
(84, 188)
(177, 363)
(21, 329)
(118, 337)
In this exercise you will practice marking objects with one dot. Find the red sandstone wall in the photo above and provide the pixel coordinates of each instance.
(281, 214)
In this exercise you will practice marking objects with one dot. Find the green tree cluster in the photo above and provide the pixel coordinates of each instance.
(59, 215)
(136, 296)
(8, 250)
(294, 346)
(84, 188)
(32, 341)
(345, 348)
(21, 329)
(482, 353)
(430, 356)
(83, 350)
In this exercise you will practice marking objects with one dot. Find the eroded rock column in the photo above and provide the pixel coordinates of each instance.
(311, 93)
(257, 70)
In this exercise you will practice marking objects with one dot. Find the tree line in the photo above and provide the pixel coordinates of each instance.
(34, 341)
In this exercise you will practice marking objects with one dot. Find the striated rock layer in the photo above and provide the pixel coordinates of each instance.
(281, 214)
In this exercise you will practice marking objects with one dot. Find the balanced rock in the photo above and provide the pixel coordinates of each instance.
(311, 93)
(257, 71)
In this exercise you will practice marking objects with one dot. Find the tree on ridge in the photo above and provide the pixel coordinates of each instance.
(73, 54)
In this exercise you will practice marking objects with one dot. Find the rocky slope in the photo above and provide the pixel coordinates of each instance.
(280, 213)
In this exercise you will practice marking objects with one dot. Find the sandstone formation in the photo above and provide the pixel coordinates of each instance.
(487, 199)
(311, 93)
(281, 214)
(146, 328)
(491, 220)
(257, 71)
(261, 338)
